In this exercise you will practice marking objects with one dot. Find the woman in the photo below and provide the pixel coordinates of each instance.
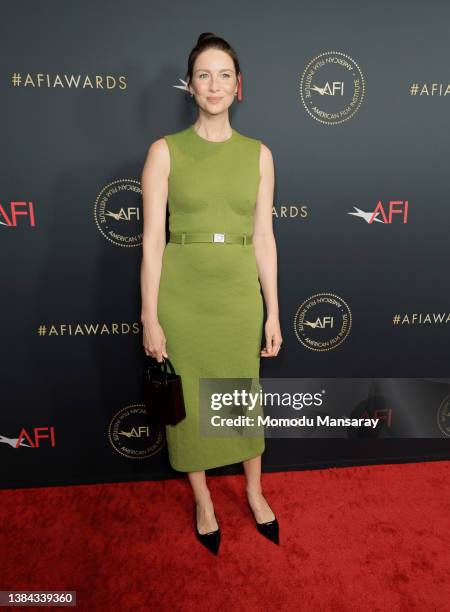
(201, 299)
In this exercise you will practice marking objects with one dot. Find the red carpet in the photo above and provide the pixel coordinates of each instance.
(352, 539)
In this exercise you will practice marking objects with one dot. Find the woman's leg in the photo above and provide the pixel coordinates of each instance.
(206, 520)
(257, 501)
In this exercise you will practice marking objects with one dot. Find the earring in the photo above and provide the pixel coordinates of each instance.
(239, 91)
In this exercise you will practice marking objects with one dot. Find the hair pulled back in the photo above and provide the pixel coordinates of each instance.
(210, 40)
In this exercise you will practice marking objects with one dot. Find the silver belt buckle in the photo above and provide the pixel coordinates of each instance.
(219, 238)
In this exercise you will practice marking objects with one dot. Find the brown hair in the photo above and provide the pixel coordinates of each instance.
(209, 40)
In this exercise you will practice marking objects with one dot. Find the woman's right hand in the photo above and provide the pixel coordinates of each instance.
(154, 340)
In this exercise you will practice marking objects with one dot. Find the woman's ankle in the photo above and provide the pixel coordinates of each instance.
(204, 498)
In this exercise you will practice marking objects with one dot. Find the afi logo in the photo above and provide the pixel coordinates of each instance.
(17, 209)
(32, 439)
(330, 89)
(136, 432)
(382, 414)
(124, 214)
(320, 322)
(387, 212)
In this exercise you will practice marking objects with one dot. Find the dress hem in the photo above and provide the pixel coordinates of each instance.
(210, 467)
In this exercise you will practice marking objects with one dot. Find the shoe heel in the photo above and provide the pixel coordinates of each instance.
(210, 540)
(270, 529)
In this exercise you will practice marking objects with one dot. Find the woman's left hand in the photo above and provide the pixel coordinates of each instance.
(273, 337)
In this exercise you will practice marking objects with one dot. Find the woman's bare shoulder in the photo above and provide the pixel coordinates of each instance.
(158, 153)
(265, 151)
(265, 157)
(159, 146)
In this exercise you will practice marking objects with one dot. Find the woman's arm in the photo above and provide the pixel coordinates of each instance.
(266, 251)
(154, 182)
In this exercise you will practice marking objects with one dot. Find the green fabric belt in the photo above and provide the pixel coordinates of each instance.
(226, 238)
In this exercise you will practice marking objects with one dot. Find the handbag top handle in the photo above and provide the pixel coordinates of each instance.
(157, 364)
(166, 361)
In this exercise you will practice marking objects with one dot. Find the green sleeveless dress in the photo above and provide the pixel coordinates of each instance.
(210, 304)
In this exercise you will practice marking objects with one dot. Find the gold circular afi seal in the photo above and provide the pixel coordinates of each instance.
(443, 416)
(117, 212)
(131, 434)
(332, 87)
(322, 322)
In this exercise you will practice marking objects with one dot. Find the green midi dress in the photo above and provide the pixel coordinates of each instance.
(210, 304)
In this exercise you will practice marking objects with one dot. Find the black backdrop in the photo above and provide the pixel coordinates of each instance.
(350, 98)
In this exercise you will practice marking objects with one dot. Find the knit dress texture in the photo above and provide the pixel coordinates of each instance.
(210, 304)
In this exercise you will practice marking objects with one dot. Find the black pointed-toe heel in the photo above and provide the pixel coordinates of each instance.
(270, 529)
(211, 539)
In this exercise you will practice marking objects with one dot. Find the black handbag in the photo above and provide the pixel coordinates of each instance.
(163, 392)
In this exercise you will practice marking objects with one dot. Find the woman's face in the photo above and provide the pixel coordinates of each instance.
(214, 81)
